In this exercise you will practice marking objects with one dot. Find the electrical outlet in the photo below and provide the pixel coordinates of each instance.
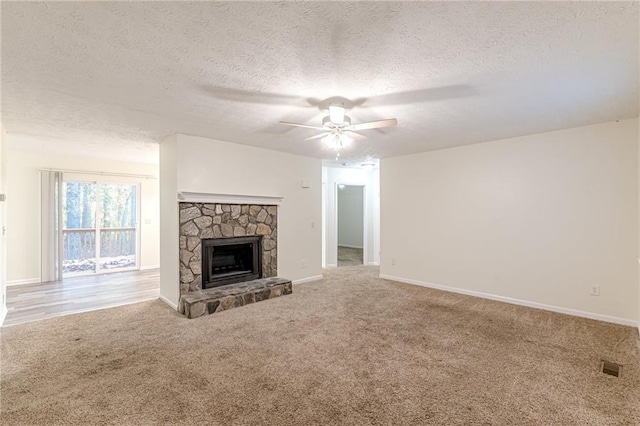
(303, 264)
(393, 261)
(595, 290)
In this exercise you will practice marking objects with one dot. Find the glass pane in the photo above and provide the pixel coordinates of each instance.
(79, 205)
(118, 206)
(79, 220)
(118, 217)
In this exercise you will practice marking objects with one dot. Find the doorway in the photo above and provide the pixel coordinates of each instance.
(350, 216)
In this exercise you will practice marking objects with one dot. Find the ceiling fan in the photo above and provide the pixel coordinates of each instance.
(338, 130)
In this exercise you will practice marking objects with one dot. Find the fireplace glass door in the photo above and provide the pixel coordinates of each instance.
(230, 260)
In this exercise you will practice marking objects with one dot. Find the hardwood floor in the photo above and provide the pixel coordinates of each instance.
(31, 302)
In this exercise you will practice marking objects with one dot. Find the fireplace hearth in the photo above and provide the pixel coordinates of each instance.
(231, 260)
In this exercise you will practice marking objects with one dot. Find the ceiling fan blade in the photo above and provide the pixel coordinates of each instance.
(302, 125)
(431, 94)
(355, 136)
(374, 124)
(247, 96)
(321, 135)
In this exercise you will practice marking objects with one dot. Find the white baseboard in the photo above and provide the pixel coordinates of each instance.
(168, 302)
(25, 281)
(307, 280)
(331, 265)
(349, 246)
(373, 263)
(146, 268)
(3, 315)
(536, 305)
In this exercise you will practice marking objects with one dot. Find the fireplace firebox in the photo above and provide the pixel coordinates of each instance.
(231, 260)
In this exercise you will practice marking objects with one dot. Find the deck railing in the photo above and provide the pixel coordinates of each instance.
(80, 243)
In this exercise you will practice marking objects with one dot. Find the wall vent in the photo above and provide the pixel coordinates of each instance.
(610, 368)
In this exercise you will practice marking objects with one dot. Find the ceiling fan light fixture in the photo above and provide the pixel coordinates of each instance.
(344, 139)
(336, 114)
(336, 140)
(332, 141)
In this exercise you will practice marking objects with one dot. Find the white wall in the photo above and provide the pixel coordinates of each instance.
(169, 238)
(211, 166)
(23, 222)
(350, 216)
(3, 224)
(538, 218)
(332, 177)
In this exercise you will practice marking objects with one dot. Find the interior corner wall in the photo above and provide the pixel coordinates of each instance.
(169, 238)
(536, 220)
(333, 176)
(212, 166)
(23, 207)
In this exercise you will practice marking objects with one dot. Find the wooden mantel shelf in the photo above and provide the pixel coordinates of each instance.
(205, 197)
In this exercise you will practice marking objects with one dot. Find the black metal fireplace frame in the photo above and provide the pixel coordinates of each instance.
(208, 247)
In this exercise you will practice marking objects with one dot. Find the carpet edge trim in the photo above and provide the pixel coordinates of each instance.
(82, 311)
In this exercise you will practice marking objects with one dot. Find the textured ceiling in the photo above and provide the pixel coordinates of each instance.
(114, 78)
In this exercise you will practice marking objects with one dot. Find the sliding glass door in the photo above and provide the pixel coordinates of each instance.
(100, 227)
(118, 226)
(79, 227)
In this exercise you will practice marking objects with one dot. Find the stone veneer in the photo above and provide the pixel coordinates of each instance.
(198, 303)
(199, 221)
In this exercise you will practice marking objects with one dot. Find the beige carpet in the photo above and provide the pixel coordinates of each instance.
(348, 256)
(351, 349)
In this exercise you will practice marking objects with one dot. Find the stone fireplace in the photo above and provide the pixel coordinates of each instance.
(200, 221)
(228, 256)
